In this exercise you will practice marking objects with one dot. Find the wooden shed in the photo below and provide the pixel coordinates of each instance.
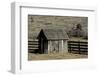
(53, 41)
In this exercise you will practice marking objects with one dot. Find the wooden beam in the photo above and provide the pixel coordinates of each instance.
(62, 45)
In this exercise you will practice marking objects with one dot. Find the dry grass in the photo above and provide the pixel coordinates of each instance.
(78, 39)
(32, 56)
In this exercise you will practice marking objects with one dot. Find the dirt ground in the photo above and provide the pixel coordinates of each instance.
(32, 56)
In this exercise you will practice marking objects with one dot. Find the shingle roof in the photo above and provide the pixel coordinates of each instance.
(53, 34)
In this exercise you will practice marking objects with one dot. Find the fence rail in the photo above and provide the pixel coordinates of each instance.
(33, 45)
(78, 46)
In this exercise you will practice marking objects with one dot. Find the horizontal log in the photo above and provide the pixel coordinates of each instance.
(32, 48)
(33, 40)
(72, 47)
(30, 43)
(76, 42)
(79, 50)
(82, 45)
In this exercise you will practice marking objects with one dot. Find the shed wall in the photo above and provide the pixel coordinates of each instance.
(65, 46)
(59, 46)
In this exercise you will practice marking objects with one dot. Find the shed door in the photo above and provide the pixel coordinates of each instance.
(42, 45)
